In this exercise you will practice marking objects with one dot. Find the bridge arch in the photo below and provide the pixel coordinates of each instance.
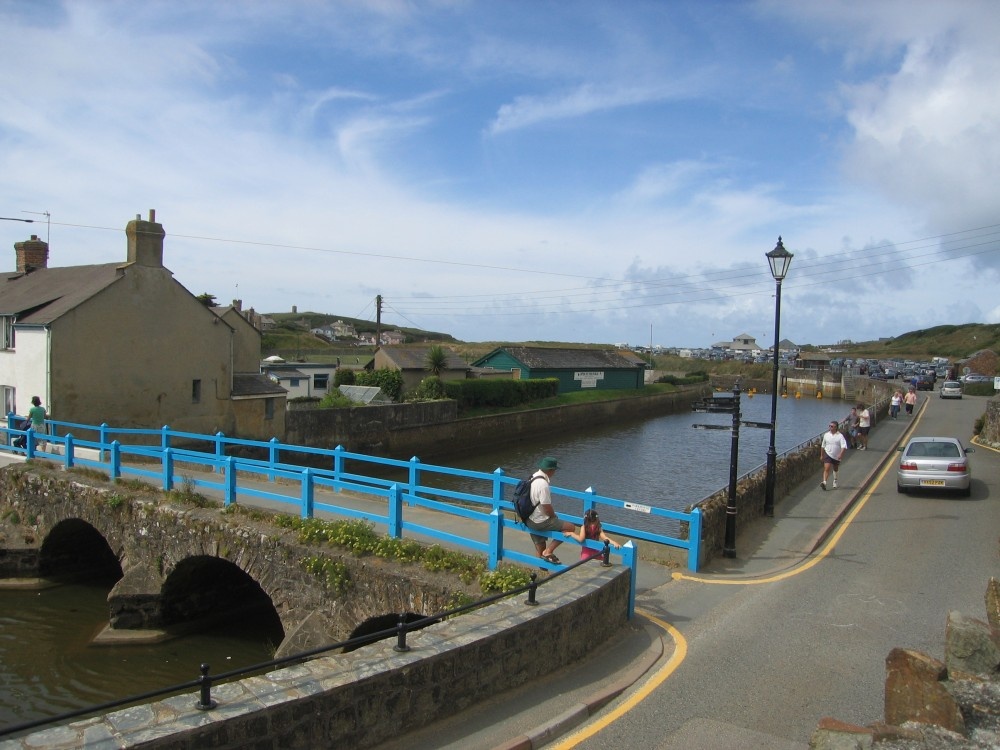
(74, 548)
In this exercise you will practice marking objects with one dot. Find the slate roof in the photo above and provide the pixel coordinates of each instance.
(255, 384)
(415, 357)
(543, 358)
(42, 296)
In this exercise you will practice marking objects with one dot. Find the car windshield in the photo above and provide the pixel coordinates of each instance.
(933, 450)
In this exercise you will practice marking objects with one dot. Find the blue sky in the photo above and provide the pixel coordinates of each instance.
(524, 170)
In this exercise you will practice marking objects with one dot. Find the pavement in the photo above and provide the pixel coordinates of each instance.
(552, 707)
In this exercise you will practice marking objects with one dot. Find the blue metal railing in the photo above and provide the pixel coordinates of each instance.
(157, 458)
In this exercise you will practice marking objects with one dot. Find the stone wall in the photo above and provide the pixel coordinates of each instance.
(431, 429)
(360, 699)
(990, 433)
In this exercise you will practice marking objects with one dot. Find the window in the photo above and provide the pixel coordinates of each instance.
(269, 408)
(321, 381)
(195, 391)
(6, 332)
(9, 399)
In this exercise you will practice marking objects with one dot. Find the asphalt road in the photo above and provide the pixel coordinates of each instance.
(765, 660)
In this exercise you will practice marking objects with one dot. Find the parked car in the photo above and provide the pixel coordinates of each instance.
(924, 383)
(975, 377)
(950, 389)
(934, 463)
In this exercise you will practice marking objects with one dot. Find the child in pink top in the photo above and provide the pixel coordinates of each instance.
(592, 530)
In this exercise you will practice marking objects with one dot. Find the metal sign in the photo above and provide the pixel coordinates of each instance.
(637, 507)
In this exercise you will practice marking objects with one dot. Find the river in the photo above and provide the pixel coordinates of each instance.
(47, 662)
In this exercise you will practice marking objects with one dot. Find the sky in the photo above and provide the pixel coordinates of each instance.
(523, 170)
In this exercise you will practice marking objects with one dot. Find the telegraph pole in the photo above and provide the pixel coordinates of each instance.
(378, 320)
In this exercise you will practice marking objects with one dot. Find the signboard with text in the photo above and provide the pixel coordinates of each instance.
(588, 379)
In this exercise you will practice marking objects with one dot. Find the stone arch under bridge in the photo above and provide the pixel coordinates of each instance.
(175, 559)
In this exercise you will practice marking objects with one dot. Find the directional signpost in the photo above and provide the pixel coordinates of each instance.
(728, 405)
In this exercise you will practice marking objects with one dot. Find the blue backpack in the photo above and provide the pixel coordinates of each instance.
(522, 499)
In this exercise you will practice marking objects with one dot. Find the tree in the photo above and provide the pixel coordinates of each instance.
(208, 300)
(436, 361)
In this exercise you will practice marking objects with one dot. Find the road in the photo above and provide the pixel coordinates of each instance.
(765, 660)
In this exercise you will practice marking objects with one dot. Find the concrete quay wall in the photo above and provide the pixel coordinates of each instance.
(365, 697)
(434, 429)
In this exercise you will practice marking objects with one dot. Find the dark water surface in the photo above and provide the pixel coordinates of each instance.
(47, 662)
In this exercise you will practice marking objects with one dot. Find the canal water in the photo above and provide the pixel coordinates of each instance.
(47, 662)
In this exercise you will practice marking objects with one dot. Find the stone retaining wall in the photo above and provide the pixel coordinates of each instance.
(360, 699)
(433, 429)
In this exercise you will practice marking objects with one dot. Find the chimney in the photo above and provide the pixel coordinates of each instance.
(145, 241)
(31, 254)
(238, 304)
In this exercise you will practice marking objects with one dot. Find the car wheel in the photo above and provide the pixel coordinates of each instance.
(967, 492)
(900, 489)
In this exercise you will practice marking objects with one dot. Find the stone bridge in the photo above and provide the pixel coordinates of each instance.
(178, 562)
(179, 566)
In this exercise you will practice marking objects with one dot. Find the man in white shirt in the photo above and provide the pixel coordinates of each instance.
(543, 517)
(831, 450)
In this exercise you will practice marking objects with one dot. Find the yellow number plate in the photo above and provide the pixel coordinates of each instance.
(932, 482)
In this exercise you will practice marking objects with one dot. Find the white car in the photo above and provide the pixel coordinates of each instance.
(950, 389)
(930, 463)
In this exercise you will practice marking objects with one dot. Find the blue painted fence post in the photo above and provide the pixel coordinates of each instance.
(495, 553)
(272, 453)
(115, 461)
(414, 475)
(694, 540)
(497, 489)
(588, 503)
(308, 493)
(165, 437)
(219, 453)
(69, 457)
(395, 512)
(230, 481)
(102, 438)
(168, 469)
(338, 465)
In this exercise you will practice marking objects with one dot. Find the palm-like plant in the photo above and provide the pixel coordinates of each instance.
(437, 360)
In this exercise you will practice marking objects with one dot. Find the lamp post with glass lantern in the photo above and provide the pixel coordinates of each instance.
(779, 259)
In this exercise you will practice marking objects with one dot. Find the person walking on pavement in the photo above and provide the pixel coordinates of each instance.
(852, 428)
(910, 399)
(543, 517)
(831, 451)
(894, 404)
(864, 425)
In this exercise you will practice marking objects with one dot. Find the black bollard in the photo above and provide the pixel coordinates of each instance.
(532, 587)
(401, 635)
(205, 702)
(606, 555)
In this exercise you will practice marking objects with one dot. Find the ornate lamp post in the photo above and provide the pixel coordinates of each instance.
(779, 259)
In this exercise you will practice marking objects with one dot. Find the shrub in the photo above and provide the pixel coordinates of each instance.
(389, 380)
(343, 377)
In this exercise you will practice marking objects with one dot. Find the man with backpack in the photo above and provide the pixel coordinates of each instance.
(543, 517)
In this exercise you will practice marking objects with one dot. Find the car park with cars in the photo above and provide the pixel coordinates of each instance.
(950, 389)
(934, 463)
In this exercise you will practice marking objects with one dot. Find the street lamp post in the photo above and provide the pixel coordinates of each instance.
(779, 259)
